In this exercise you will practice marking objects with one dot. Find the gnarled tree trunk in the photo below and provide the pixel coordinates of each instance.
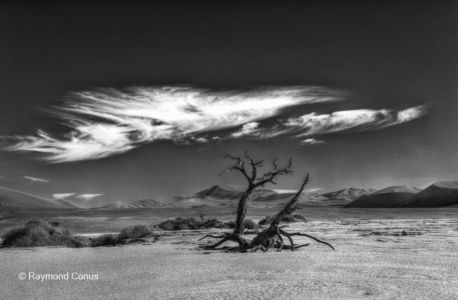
(241, 211)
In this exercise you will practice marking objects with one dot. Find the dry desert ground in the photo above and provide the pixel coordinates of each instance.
(379, 255)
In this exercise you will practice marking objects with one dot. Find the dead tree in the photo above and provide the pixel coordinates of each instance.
(249, 168)
(273, 235)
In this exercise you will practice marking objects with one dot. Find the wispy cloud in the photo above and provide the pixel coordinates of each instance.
(314, 190)
(107, 122)
(84, 197)
(362, 119)
(36, 179)
(284, 191)
(312, 141)
(248, 129)
(62, 195)
(309, 126)
(88, 196)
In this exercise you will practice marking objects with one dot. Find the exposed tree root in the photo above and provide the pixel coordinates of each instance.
(243, 243)
(213, 236)
(310, 237)
(264, 244)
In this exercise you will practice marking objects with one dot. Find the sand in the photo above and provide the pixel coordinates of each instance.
(374, 260)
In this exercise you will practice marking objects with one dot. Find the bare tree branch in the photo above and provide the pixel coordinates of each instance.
(270, 176)
(254, 165)
(239, 166)
(288, 208)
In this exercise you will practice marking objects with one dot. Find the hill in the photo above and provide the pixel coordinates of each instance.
(344, 196)
(394, 196)
(17, 200)
(146, 203)
(76, 200)
(439, 194)
(443, 193)
(219, 192)
(215, 196)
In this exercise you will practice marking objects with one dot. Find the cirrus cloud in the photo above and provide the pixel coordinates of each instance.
(87, 197)
(307, 127)
(61, 196)
(359, 120)
(248, 129)
(108, 122)
(36, 179)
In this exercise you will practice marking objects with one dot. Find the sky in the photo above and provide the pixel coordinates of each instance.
(133, 100)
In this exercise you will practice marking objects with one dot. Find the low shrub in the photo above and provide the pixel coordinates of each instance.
(230, 224)
(288, 219)
(104, 240)
(38, 233)
(249, 224)
(294, 218)
(128, 235)
(190, 223)
(266, 220)
(135, 232)
(181, 224)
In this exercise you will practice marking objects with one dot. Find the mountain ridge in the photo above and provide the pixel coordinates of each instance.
(442, 193)
(18, 200)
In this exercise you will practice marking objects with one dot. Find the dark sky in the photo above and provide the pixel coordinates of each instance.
(385, 54)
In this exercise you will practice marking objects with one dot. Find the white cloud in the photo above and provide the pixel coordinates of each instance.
(311, 141)
(62, 195)
(362, 119)
(88, 196)
(410, 114)
(36, 179)
(307, 127)
(109, 121)
(314, 190)
(251, 128)
(284, 191)
(201, 140)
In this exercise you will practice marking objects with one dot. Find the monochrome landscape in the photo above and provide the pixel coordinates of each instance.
(229, 150)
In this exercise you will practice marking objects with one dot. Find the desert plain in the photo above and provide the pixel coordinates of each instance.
(405, 253)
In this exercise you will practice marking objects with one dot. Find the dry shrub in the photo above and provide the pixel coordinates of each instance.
(38, 233)
(288, 219)
(190, 223)
(249, 224)
(104, 240)
(128, 235)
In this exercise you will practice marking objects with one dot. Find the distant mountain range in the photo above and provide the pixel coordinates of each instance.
(444, 193)
(436, 195)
